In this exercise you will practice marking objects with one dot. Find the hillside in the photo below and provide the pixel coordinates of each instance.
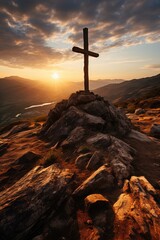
(17, 90)
(134, 89)
(84, 174)
(18, 93)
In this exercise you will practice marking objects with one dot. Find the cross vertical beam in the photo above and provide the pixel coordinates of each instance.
(86, 53)
(86, 59)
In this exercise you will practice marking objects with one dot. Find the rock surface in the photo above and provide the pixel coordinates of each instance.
(93, 200)
(101, 213)
(93, 139)
(88, 118)
(155, 130)
(100, 179)
(100, 140)
(137, 211)
(139, 136)
(87, 110)
(82, 160)
(120, 157)
(31, 199)
(95, 161)
(139, 111)
(3, 147)
(19, 128)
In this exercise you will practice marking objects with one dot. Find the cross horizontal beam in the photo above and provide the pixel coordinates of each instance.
(83, 51)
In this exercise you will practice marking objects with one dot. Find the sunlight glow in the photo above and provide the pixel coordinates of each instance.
(55, 76)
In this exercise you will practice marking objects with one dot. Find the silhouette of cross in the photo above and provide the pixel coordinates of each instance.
(86, 53)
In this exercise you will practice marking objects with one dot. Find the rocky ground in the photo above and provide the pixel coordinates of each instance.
(145, 119)
(84, 174)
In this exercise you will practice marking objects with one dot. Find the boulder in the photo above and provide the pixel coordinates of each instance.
(82, 160)
(98, 108)
(155, 130)
(95, 161)
(93, 122)
(116, 122)
(75, 136)
(19, 128)
(100, 140)
(81, 97)
(139, 136)
(99, 180)
(61, 129)
(27, 158)
(120, 156)
(101, 213)
(93, 201)
(31, 200)
(54, 115)
(64, 224)
(139, 111)
(137, 212)
(19, 168)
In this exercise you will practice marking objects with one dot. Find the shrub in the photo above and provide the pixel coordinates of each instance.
(51, 157)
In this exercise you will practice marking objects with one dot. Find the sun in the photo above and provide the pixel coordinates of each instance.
(55, 76)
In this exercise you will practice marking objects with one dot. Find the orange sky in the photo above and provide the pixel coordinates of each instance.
(37, 38)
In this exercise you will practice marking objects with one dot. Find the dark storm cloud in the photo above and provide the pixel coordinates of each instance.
(26, 25)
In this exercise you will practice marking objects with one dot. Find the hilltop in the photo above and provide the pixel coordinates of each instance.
(84, 174)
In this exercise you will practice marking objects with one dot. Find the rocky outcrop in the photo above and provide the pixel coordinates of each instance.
(26, 159)
(19, 168)
(95, 200)
(85, 110)
(139, 136)
(101, 213)
(139, 111)
(100, 140)
(155, 130)
(19, 128)
(88, 118)
(35, 197)
(75, 136)
(93, 139)
(3, 147)
(101, 179)
(137, 211)
(120, 156)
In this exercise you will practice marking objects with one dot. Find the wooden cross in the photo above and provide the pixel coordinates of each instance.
(86, 53)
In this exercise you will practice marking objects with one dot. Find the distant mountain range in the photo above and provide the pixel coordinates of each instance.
(18, 93)
(134, 89)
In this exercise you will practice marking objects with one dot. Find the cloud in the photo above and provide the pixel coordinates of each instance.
(153, 66)
(26, 27)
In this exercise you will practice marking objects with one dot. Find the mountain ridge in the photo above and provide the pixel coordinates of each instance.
(134, 88)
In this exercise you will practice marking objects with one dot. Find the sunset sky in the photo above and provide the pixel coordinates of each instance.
(37, 36)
